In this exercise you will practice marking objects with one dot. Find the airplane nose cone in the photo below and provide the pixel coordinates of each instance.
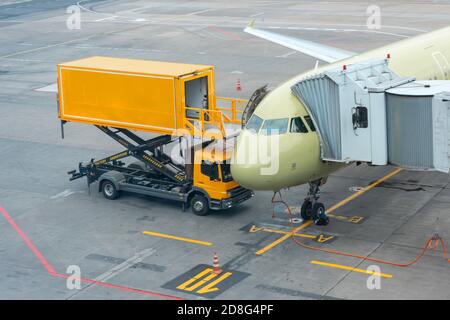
(253, 164)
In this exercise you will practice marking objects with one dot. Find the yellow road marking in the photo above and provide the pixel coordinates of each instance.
(286, 236)
(168, 236)
(303, 235)
(210, 287)
(338, 266)
(254, 229)
(331, 209)
(201, 282)
(196, 277)
(323, 238)
(360, 192)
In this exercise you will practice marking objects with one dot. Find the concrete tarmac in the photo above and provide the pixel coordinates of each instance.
(50, 226)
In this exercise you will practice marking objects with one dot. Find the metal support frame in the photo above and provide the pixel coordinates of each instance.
(143, 150)
(164, 179)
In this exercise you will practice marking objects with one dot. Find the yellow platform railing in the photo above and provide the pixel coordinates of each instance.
(234, 106)
(211, 122)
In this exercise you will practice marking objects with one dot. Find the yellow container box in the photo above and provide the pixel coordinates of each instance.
(134, 94)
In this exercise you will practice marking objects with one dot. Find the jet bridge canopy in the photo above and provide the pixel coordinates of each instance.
(366, 112)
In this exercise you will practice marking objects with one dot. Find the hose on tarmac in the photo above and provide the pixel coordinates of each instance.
(431, 244)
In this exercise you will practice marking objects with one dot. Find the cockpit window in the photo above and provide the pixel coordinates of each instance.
(275, 126)
(297, 125)
(310, 123)
(254, 123)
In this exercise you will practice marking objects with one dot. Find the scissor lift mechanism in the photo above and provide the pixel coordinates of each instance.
(161, 178)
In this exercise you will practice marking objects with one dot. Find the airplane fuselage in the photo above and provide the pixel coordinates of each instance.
(425, 57)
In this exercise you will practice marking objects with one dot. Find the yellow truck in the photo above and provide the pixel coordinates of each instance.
(177, 101)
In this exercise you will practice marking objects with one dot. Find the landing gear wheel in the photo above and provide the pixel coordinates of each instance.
(199, 205)
(319, 215)
(306, 210)
(109, 190)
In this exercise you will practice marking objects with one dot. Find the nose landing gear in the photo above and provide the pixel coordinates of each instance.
(311, 208)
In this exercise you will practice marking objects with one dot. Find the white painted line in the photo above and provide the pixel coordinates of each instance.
(287, 54)
(236, 72)
(138, 9)
(83, 46)
(15, 21)
(50, 88)
(23, 60)
(14, 2)
(63, 194)
(107, 18)
(138, 257)
(198, 12)
(257, 14)
(100, 13)
(47, 46)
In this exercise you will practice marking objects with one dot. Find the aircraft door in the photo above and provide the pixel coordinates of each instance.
(196, 94)
(442, 63)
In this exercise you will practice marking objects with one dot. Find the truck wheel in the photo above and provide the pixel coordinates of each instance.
(199, 205)
(109, 190)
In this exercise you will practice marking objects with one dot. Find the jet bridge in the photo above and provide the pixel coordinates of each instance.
(366, 112)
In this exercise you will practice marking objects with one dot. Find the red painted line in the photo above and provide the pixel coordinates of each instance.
(229, 34)
(123, 288)
(53, 273)
(28, 242)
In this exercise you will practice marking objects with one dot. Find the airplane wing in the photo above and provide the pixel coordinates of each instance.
(316, 50)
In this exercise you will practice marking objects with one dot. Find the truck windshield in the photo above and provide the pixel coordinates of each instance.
(226, 172)
(210, 169)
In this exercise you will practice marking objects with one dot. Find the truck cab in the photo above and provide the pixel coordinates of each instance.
(213, 186)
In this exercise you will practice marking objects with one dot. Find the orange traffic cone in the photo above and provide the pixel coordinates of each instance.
(238, 85)
(216, 265)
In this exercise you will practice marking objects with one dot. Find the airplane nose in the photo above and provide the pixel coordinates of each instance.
(253, 164)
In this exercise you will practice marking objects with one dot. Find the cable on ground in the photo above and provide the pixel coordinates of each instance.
(432, 243)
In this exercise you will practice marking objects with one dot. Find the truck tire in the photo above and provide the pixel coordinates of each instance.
(199, 205)
(109, 190)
